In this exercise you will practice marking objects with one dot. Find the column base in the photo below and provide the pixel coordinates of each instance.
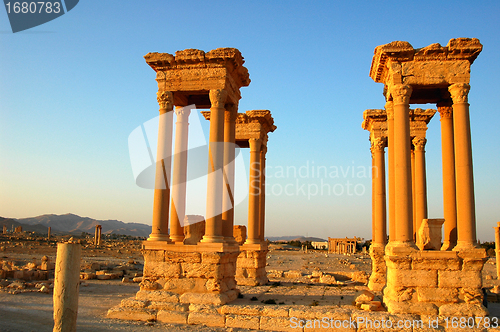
(252, 241)
(435, 282)
(251, 265)
(378, 277)
(159, 237)
(212, 239)
(176, 238)
(447, 245)
(465, 245)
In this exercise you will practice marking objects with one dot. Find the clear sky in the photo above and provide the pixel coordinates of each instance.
(73, 89)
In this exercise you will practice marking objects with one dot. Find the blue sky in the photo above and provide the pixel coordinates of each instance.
(73, 89)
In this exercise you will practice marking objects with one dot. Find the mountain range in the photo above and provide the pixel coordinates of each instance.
(74, 224)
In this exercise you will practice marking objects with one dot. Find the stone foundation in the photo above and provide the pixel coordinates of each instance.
(251, 265)
(379, 269)
(444, 283)
(179, 273)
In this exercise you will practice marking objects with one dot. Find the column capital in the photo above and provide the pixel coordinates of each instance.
(218, 97)
(445, 112)
(389, 109)
(182, 113)
(400, 93)
(459, 92)
(165, 100)
(419, 143)
(377, 144)
(255, 144)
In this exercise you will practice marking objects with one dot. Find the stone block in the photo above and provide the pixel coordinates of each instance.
(456, 279)
(240, 233)
(275, 311)
(214, 320)
(293, 274)
(412, 278)
(194, 229)
(172, 317)
(157, 295)
(201, 270)
(209, 298)
(206, 308)
(138, 314)
(396, 262)
(161, 305)
(182, 257)
(183, 285)
(247, 263)
(473, 264)
(447, 264)
(463, 310)
(415, 308)
(243, 321)
(277, 324)
(153, 255)
(364, 297)
(275, 274)
(446, 295)
(238, 309)
(133, 303)
(162, 269)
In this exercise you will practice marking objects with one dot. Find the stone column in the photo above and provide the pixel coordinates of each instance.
(4, 229)
(96, 235)
(163, 167)
(99, 233)
(262, 196)
(413, 192)
(402, 164)
(449, 186)
(420, 197)
(254, 192)
(229, 166)
(497, 248)
(379, 208)
(390, 159)
(466, 214)
(179, 175)
(48, 233)
(66, 285)
(215, 183)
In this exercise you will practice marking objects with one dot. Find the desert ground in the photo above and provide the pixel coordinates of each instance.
(294, 280)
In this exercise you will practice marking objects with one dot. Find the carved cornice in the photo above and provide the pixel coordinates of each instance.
(459, 92)
(419, 143)
(218, 98)
(165, 100)
(400, 93)
(445, 112)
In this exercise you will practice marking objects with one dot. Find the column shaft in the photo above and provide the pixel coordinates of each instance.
(420, 182)
(179, 175)
(215, 183)
(229, 166)
(497, 249)
(254, 192)
(402, 164)
(262, 196)
(466, 214)
(390, 159)
(449, 186)
(379, 200)
(161, 199)
(415, 229)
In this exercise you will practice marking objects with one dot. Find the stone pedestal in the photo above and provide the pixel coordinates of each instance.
(379, 269)
(240, 233)
(251, 265)
(444, 283)
(429, 234)
(201, 273)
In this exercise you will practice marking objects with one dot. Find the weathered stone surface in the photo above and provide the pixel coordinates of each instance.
(417, 308)
(194, 229)
(277, 324)
(463, 310)
(173, 317)
(453, 279)
(243, 321)
(412, 278)
(446, 295)
(209, 298)
(364, 297)
(208, 319)
(133, 303)
(162, 269)
(139, 314)
(249, 310)
(436, 264)
(240, 233)
(157, 295)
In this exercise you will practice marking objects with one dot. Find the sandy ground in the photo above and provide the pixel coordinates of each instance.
(32, 311)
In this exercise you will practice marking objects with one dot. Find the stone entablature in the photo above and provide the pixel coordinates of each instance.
(342, 245)
(192, 71)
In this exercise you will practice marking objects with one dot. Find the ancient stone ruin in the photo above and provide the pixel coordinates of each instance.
(202, 262)
(433, 280)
